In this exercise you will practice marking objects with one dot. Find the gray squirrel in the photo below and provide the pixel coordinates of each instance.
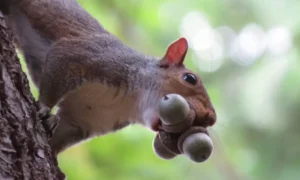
(98, 84)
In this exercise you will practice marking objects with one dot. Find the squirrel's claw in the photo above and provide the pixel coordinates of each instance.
(51, 124)
(44, 111)
(49, 121)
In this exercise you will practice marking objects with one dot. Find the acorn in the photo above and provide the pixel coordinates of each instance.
(193, 143)
(174, 113)
(160, 149)
(196, 144)
(178, 137)
(173, 109)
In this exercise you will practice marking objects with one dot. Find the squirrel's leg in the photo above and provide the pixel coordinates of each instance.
(57, 79)
(67, 133)
(34, 64)
(61, 73)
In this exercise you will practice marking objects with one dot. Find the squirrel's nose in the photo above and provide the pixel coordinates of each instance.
(209, 119)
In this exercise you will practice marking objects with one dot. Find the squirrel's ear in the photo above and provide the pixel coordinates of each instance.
(175, 53)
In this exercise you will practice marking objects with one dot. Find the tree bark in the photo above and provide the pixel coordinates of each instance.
(24, 149)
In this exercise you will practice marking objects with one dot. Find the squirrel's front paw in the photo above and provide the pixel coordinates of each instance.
(50, 121)
(44, 111)
(51, 124)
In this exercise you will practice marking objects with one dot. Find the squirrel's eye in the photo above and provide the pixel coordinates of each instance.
(190, 78)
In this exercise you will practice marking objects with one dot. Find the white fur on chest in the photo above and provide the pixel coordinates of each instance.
(98, 108)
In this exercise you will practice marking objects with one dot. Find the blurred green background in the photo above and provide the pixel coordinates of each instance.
(247, 54)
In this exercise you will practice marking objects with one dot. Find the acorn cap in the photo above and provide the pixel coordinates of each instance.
(160, 150)
(170, 141)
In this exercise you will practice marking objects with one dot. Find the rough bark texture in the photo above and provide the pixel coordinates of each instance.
(24, 149)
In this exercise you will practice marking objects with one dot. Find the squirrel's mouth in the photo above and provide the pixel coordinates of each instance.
(208, 120)
(156, 125)
(152, 120)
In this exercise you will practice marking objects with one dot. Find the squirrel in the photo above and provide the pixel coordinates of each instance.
(98, 84)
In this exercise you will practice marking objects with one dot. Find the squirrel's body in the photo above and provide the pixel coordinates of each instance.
(38, 24)
(98, 83)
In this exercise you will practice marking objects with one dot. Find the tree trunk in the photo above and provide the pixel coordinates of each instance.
(24, 149)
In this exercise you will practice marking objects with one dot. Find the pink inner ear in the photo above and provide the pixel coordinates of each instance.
(176, 51)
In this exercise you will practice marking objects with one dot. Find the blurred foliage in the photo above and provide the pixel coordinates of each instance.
(257, 104)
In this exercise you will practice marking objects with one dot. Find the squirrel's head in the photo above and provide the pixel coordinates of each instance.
(179, 80)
